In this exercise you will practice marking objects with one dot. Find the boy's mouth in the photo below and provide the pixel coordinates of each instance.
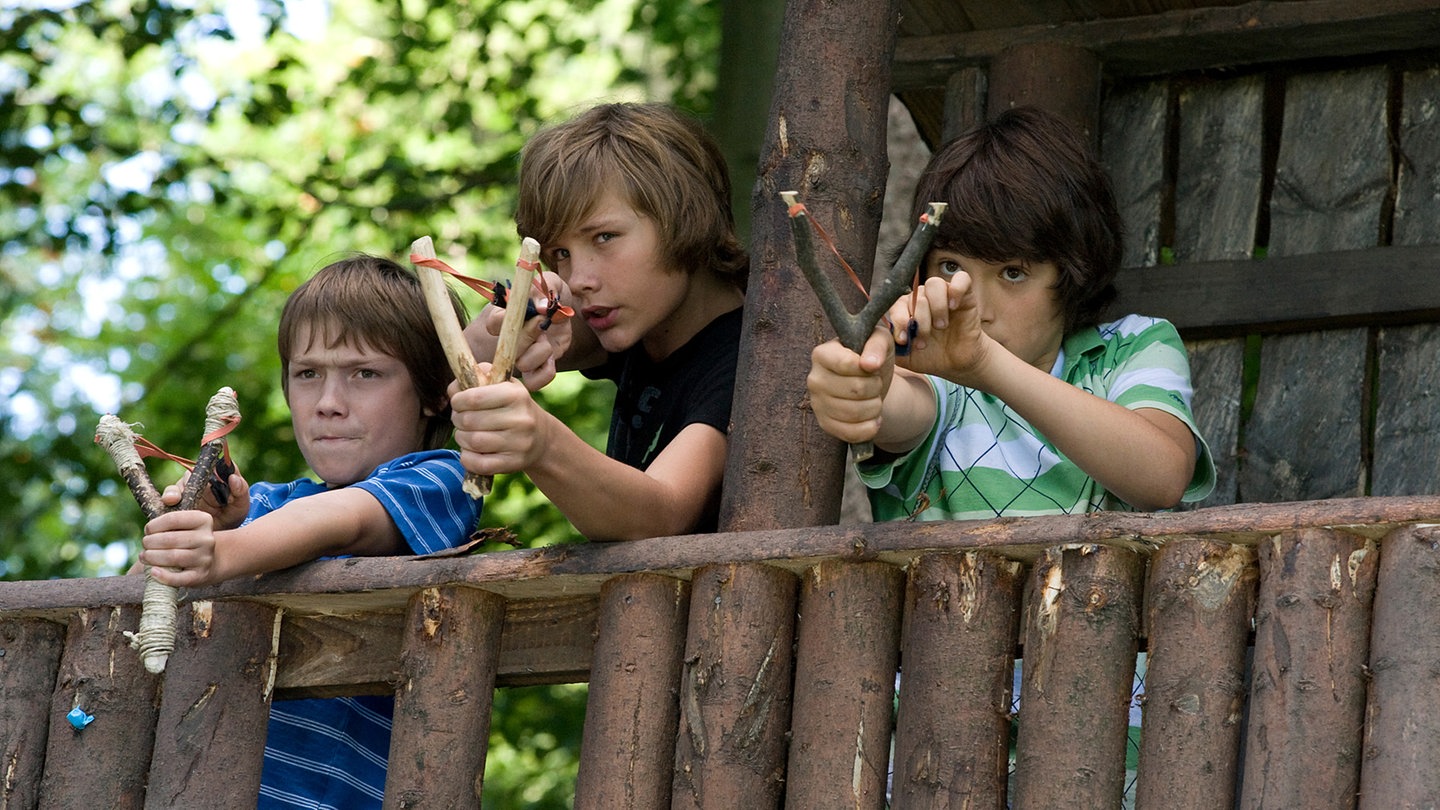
(598, 317)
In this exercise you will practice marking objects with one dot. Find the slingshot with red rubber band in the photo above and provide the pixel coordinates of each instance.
(155, 637)
(854, 328)
(497, 292)
(452, 338)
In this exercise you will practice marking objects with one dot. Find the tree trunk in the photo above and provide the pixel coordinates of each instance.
(952, 734)
(735, 689)
(1199, 600)
(846, 650)
(1307, 696)
(102, 676)
(827, 142)
(628, 752)
(442, 704)
(31, 657)
(215, 707)
(1081, 623)
(1402, 732)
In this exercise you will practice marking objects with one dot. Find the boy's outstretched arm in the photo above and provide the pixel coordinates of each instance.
(1145, 457)
(863, 397)
(500, 429)
(186, 550)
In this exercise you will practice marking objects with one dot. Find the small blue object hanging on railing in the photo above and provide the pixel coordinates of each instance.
(79, 719)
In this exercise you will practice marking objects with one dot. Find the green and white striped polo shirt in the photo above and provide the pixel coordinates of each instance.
(981, 460)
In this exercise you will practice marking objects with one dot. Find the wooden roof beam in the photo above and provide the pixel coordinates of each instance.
(1254, 33)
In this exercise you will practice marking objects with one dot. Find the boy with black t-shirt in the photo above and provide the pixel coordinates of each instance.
(631, 206)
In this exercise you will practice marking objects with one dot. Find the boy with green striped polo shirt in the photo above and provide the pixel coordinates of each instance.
(1014, 396)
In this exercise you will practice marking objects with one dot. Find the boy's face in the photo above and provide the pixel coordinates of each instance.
(1018, 306)
(353, 408)
(616, 271)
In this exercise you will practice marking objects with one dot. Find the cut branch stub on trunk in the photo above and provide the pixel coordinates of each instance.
(853, 329)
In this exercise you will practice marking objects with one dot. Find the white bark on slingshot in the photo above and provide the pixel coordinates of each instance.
(155, 637)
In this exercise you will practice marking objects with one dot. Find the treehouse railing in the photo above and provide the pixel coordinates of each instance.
(699, 649)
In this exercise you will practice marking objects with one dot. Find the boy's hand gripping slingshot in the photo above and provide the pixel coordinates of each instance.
(452, 337)
(854, 329)
(155, 638)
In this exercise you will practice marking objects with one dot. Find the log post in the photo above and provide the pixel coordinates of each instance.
(1081, 625)
(1402, 730)
(102, 677)
(441, 731)
(1199, 600)
(846, 651)
(826, 141)
(735, 689)
(215, 709)
(957, 658)
(29, 659)
(1307, 696)
(627, 754)
(1063, 79)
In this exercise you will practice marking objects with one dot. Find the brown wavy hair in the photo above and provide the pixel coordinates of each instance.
(375, 302)
(1026, 186)
(659, 159)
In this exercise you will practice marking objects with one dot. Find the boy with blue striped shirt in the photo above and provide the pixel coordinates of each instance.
(1014, 398)
(365, 378)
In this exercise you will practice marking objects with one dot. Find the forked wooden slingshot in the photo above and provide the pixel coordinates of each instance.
(452, 337)
(853, 329)
(155, 637)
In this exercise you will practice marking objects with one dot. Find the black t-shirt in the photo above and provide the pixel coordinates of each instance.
(655, 401)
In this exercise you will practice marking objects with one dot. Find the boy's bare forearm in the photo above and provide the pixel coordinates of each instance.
(339, 522)
(1144, 457)
(606, 499)
(908, 413)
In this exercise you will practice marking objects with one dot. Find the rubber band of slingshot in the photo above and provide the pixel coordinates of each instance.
(148, 449)
(794, 211)
(494, 291)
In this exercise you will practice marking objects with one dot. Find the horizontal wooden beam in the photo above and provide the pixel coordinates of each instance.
(1377, 286)
(342, 635)
(1261, 32)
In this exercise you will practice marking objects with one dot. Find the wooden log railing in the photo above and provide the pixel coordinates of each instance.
(696, 639)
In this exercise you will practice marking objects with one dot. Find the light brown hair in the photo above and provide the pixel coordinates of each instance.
(659, 160)
(375, 303)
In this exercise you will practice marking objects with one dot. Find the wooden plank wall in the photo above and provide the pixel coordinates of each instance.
(1296, 162)
(1407, 419)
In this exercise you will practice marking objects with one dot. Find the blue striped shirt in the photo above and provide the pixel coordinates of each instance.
(331, 753)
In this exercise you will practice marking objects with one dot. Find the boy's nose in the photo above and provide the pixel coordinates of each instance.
(583, 273)
(331, 399)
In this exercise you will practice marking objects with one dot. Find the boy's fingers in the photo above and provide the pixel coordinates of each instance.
(877, 350)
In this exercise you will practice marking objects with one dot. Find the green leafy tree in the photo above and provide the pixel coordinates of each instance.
(170, 171)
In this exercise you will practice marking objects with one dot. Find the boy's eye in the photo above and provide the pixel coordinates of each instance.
(367, 373)
(1013, 272)
(949, 268)
(602, 238)
(558, 255)
(302, 373)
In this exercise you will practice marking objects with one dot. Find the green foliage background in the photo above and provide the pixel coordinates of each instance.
(171, 169)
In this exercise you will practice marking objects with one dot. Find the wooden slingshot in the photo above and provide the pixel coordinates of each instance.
(854, 328)
(452, 337)
(155, 638)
